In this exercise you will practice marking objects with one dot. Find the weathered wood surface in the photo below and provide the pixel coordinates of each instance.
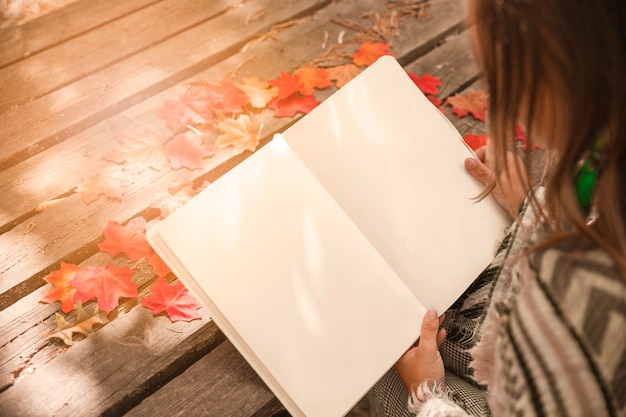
(65, 95)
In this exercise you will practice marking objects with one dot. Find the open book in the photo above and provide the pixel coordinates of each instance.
(319, 255)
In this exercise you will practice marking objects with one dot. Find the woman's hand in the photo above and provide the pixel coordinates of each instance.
(423, 362)
(511, 192)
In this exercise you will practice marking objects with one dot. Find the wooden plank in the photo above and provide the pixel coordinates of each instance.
(22, 343)
(220, 384)
(114, 369)
(36, 125)
(71, 60)
(59, 237)
(74, 19)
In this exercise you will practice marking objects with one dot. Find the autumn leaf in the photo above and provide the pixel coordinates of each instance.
(475, 141)
(159, 267)
(177, 115)
(205, 99)
(174, 299)
(187, 151)
(140, 151)
(341, 74)
(287, 85)
(84, 324)
(130, 239)
(109, 183)
(427, 83)
(293, 104)
(104, 284)
(311, 78)
(259, 92)
(62, 291)
(241, 133)
(176, 196)
(476, 103)
(433, 99)
(369, 52)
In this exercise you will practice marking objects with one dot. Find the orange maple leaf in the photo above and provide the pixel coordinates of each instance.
(159, 267)
(109, 183)
(287, 85)
(369, 52)
(312, 78)
(62, 291)
(140, 151)
(475, 141)
(106, 285)
(187, 151)
(259, 92)
(476, 103)
(241, 133)
(293, 104)
(341, 74)
(130, 239)
(174, 299)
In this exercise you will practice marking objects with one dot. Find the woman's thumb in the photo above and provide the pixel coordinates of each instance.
(478, 170)
(430, 328)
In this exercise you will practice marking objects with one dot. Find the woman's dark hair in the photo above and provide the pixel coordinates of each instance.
(561, 63)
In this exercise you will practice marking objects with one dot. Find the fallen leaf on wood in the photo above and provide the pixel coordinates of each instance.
(293, 104)
(84, 324)
(475, 141)
(341, 74)
(130, 239)
(259, 92)
(106, 285)
(476, 103)
(177, 115)
(312, 78)
(242, 133)
(62, 290)
(174, 299)
(369, 52)
(287, 85)
(176, 197)
(109, 183)
(159, 267)
(140, 151)
(187, 151)
(427, 83)
(520, 135)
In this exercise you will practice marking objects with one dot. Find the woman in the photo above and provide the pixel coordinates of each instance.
(543, 330)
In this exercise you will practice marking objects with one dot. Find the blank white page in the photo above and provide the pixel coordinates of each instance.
(291, 281)
(394, 163)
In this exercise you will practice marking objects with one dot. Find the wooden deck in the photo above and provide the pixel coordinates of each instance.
(71, 80)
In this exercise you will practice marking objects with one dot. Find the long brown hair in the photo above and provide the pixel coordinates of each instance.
(564, 60)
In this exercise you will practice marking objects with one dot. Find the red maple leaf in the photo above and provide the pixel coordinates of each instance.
(174, 299)
(130, 239)
(476, 103)
(201, 100)
(208, 98)
(177, 115)
(341, 74)
(62, 291)
(287, 85)
(106, 285)
(109, 183)
(369, 52)
(427, 83)
(232, 99)
(159, 267)
(312, 78)
(187, 151)
(293, 104)
(475, 141)
(434, 100)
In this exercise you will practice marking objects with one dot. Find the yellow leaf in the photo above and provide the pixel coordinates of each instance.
(241, 133)
(259, 92)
